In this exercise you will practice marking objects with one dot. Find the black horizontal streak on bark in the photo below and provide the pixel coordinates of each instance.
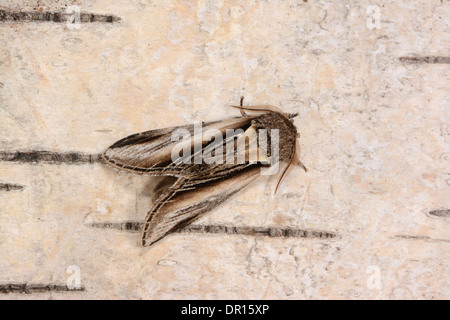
(10, 187)
(35, 288)
(422, 238)
(47, 16)
(258, 231)
(273, 232)
(440, 213)
(48, 157)
(425, 59)
(132, 226)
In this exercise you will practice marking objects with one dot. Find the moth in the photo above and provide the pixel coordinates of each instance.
(203, 172)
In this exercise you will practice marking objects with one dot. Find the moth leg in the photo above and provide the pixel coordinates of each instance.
(162, 200)
(293, 161)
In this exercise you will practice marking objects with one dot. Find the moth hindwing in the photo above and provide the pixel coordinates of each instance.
(206, 169)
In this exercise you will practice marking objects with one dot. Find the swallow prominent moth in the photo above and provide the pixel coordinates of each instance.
(206, 163)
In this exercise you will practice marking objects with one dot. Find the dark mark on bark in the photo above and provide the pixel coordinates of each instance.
(35, 288)
(46, 16)
(273, 232)
(10, 187)
(440, 213)
(425, 59)
(422, 238)
(133, 226)
(48, 157)
(103, 130)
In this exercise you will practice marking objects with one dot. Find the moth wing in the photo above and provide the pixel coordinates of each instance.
(150, 152)
(187, 200)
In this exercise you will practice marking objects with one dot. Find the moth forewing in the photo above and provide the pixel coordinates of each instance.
(181, 152)
(213, 152)
(150, 152)
(264, 155)
(187, 202)
(247, 147)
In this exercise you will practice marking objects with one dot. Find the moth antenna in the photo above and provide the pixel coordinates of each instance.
(295, 159)
(297, 156)
(284, 174)
(301, 165)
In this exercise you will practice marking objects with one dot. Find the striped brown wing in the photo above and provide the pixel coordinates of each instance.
(150, 152)
(187, 200)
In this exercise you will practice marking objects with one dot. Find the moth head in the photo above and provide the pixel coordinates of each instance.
(294, 159)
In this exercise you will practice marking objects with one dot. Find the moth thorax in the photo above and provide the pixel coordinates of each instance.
(286, 133)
